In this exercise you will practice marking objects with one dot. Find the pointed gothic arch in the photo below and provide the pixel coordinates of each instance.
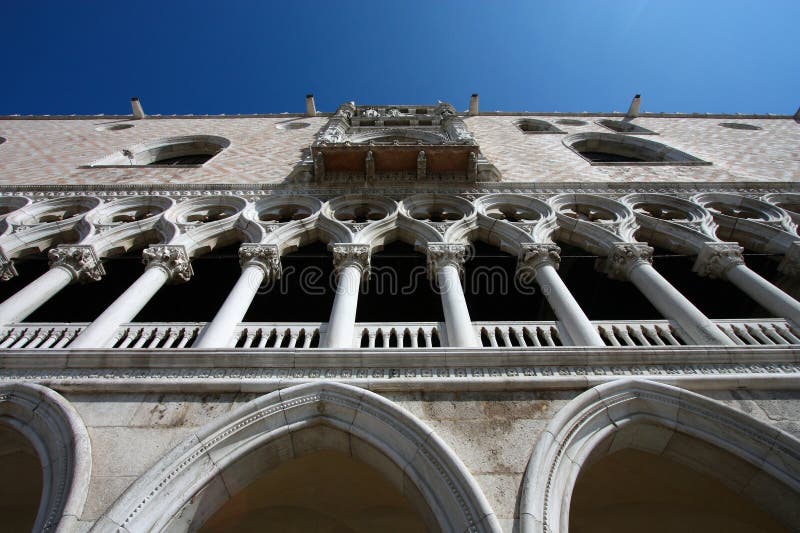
(591, 423)
(56, 432)
(193, 480)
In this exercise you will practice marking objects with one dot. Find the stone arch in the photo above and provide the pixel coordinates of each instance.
(61, 441)
(231, 451)
(592, 222)
(671, 223)
(185, 150)
(295, 220)
(587, 427)
(508, 221)
(533, 125)
(131, 222)
(617, 149)
(401, 135)
(209, 222)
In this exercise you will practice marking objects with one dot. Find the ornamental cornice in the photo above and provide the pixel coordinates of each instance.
(442, 254)
(171, 258)
(624, 256)
(81, 260)
(350, 254)
(265, 256)
(716, 258)
(535, 255)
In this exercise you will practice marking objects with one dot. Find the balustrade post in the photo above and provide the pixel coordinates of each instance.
(351, 263)
(542, 261)
(724, 260)
(446, 265)
(68, 264)
(258, 262)
(165, 263)
(632, 261)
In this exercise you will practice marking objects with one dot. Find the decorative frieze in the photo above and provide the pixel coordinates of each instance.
(624, 256)
(264, 256)
(717, 257)
(349, 254)
(172, 258)
(81, 260)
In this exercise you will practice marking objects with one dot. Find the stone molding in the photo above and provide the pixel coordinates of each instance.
(535, 255)
(581, 429)
(265, 256)
(171, 258)
(7, 268)
(59, 436)
(81, 260)
(624, 256)
(441, 254)
(180, 487)
(349, 254)
(716, 258)
(790, 264)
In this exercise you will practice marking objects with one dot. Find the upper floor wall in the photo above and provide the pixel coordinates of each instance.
(271, 149)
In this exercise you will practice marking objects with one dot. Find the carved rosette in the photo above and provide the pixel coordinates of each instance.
(624, 256)
(790, 264)
(172, 258)
(717, 257)
(534, 255)
(441, 254)
(265, 256)
(348, 254)
(80, 260)
(7, 268)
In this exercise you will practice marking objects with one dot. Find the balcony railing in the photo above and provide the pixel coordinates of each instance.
(409, 335)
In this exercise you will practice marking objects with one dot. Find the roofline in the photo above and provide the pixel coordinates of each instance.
(464, 114)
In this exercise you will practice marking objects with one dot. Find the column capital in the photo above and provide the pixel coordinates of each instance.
(170, 257)
(533, 255)
(441, 254)
(717, 257)
(7, 268)
(624, 256)
(80, 259)
(351, 254)
(265, 256)
(790, 264)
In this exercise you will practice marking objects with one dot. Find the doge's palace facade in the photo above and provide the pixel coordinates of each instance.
(400, 318)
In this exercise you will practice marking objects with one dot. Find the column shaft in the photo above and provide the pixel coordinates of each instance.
(219, 331)
(456, 315)
(768, 295)
(674, 305)
(34, 295)
(569, 313)
(123, 310)
(342, 322)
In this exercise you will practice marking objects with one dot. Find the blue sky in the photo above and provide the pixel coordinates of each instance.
(231, 57)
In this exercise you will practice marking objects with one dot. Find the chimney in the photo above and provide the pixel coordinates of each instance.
(797, 115)
(311, 108)
(473, 105)
(633, 110)
(138, 112)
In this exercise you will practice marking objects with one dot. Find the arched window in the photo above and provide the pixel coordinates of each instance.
(532, 125)
(623, 126)
(612, 149)
(191, 150)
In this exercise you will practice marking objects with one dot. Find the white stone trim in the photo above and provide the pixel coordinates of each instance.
(572, 440)
(203, 459)
(61, 441)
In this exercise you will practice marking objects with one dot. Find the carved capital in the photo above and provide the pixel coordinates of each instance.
(348, 254)
(172, 258)
(624, 256)
(717, 257)
(7, 268)
(265, 256)
(81, 260)
(441, 254)
(790, 264)
(534, 255)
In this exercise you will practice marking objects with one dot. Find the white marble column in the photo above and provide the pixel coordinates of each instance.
(68, 264)
(165, 263)
(258, 262)
(542, 261)
(724, 260)
(445, 265)
(351, 263)
(632, 261)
